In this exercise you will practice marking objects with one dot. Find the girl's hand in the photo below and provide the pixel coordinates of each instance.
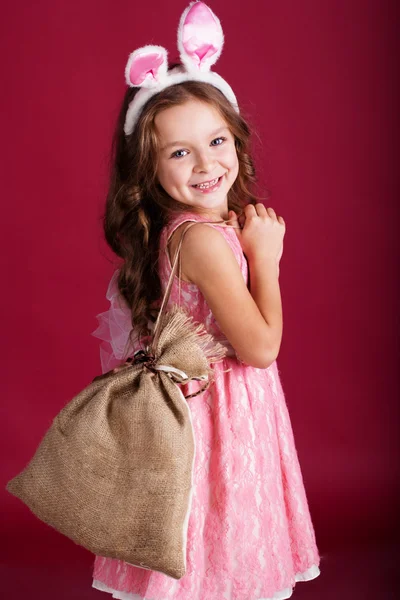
(260, 232)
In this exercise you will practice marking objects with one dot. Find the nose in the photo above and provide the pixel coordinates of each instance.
(205, 163)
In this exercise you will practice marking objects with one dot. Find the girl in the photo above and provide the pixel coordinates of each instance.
(181, 153)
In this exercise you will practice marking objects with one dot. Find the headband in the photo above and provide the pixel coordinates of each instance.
(200, 43)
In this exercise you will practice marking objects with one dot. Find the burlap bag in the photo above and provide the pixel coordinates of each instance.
(114, 472)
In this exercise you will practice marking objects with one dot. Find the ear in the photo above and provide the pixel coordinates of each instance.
(146, 66)
(200, 37)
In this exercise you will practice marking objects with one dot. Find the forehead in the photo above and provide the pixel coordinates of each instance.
(187, 120)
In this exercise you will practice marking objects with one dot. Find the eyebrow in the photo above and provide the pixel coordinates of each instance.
(184, 143)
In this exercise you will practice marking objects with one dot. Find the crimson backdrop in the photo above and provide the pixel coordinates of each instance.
(317, 81)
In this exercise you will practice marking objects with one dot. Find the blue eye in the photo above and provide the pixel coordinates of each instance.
(220, 138)
(174, 155)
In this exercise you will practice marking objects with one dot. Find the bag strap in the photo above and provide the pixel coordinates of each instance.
(156, 331)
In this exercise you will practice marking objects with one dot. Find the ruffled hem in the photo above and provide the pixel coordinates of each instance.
(308, 575)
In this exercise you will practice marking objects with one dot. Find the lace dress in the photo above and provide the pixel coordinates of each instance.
(250, 534)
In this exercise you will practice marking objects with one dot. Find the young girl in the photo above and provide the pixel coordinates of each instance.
(182, 154)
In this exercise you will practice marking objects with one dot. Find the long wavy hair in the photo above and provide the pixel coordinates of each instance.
(137, 207)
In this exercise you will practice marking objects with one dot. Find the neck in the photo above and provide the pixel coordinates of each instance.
(216, 215)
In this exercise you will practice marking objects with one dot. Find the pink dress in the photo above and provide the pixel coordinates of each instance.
(250, 534)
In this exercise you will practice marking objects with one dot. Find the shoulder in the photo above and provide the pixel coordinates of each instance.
(206, 252)
(200, 240)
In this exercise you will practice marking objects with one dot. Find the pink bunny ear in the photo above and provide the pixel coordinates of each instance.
(200, 37)
(146, 66)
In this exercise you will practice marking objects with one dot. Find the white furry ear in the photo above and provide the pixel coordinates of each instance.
(200, 37)
(200, 43)
(146, 67)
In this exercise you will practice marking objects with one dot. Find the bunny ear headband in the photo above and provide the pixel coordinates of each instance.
(200, 42)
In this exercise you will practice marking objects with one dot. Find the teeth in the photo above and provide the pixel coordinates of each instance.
(207, 185)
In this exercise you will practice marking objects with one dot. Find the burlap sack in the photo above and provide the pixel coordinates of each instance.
(114, 472)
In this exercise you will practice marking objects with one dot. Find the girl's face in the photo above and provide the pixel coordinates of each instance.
(196, 146)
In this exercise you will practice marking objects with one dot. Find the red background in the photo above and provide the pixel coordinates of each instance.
(317, 81)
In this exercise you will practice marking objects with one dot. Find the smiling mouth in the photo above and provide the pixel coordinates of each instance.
(208, 184)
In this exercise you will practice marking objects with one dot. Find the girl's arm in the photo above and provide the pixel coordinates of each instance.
(209, 262)
(265, 290)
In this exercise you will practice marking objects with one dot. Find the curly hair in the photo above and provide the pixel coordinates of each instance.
(137, 207)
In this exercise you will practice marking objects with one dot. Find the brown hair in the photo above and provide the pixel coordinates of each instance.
(137, 207)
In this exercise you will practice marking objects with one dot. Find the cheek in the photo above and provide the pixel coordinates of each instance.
(165, 175)
(229, 157)
(180, 174)
(174, 177)
(231, 161)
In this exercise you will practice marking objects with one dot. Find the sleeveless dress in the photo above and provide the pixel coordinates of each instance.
(250, 534)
